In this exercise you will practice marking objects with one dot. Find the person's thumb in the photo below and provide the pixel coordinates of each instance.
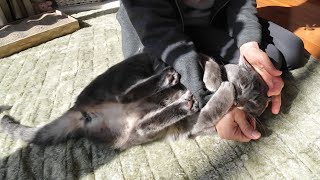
(247, 129)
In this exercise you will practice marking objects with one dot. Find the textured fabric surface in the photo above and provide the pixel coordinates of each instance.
(42, 82)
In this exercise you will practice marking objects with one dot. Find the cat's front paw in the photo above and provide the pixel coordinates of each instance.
(170, 77)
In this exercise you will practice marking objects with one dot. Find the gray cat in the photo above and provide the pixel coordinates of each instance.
(140, 100)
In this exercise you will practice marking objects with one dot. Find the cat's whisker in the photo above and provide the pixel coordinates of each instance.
(261, 125)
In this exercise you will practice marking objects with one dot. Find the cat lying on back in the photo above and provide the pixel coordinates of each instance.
(140, 100)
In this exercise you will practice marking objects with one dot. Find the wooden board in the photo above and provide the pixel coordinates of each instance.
(35, 30)
(301, 17)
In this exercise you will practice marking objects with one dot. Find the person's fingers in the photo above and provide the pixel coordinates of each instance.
(275, 83)
(239, 136)
(276, 104)
(278, 84)
(266, 77)
(266, 63)
(227, 128)
(263, 65)
(247, 129)
(235, 134)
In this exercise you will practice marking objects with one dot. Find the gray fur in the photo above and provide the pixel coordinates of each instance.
(149, 104)
(4, 108)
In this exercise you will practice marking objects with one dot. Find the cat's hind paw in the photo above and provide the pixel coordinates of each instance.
(171, 77)
(190, 103)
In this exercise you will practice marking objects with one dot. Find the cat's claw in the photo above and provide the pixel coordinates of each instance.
(195, 106)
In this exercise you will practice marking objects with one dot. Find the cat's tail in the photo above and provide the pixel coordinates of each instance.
(56, 131)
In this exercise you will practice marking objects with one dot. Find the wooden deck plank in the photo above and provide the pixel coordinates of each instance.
(295, 15)
(35, 30)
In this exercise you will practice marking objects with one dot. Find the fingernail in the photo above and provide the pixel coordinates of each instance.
(256, 134)
(275, 111)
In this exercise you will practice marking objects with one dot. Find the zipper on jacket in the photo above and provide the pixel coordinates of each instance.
(182, 21)
(216, 12)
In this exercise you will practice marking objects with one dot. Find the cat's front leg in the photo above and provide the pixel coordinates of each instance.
(152, 85)
(212, 75)
(219, 104)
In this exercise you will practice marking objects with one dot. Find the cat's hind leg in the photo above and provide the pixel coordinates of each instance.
(152, 125)
(149, 86)
(155, 122)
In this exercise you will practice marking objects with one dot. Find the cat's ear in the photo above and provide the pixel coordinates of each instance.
(244, 63)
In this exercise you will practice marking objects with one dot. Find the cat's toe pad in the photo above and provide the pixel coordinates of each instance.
(190, 102)
(171, 78)
(195, 106)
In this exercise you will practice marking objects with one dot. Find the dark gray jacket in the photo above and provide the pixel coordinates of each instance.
(157, 27)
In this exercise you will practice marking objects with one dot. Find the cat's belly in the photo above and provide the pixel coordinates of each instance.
(114, 115)
(119, 119)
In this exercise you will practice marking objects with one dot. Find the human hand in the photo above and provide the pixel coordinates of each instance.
(235, 126)
(262, 64)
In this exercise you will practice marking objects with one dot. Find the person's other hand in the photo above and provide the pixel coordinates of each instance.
(263, 65)
(235, 126)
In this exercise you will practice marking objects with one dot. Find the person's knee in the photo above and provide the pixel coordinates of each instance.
(295, 55)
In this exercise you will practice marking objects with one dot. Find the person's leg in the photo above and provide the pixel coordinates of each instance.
(218, 44)
(131, 44)
(284, 47)
(215, 43)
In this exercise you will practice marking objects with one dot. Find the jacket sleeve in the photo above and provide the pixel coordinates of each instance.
(156, 23)
(243, 22)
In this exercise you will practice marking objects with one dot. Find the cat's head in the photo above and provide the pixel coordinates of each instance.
(251, 89)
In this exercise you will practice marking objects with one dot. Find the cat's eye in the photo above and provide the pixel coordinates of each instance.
(86, 117)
